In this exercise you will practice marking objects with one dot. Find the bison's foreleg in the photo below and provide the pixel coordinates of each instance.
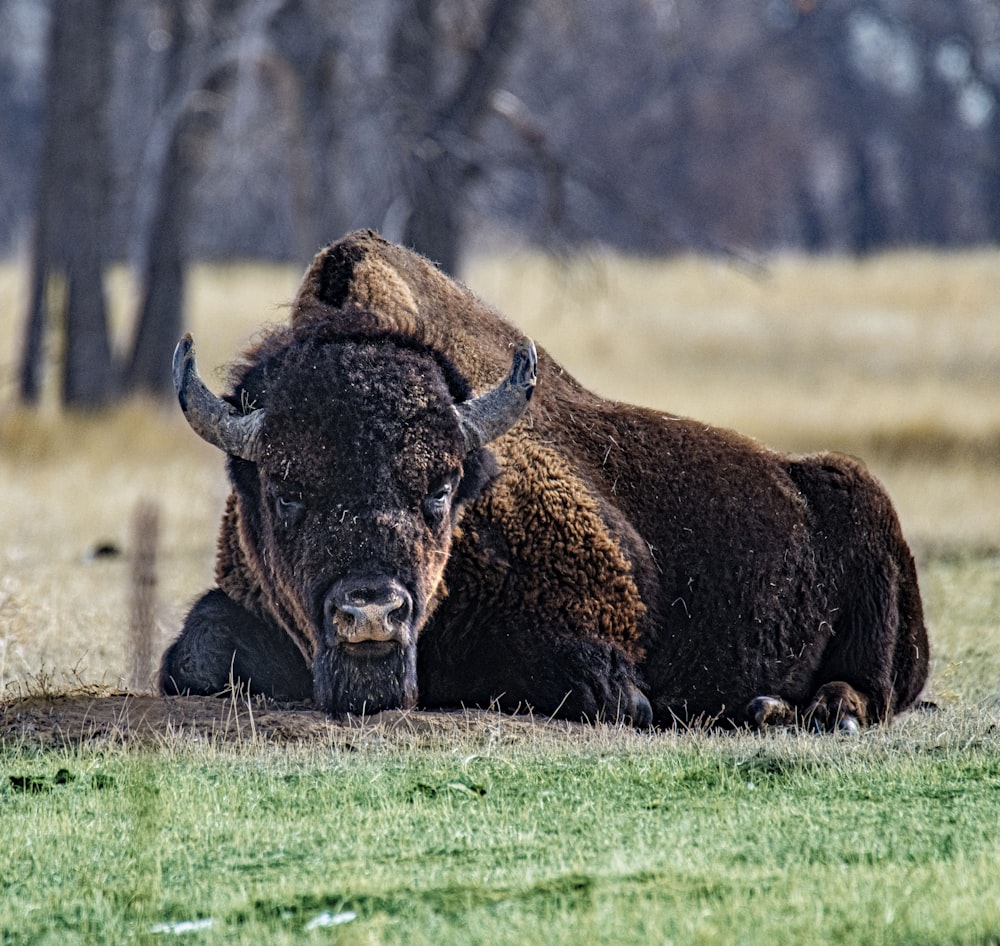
(554, 674)
(222, 644)
(593, 681)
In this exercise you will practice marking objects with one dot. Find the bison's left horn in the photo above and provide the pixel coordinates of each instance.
(486, 417)
(210, 417)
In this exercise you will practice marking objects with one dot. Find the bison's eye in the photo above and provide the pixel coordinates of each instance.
(437, 503)
(289, 511)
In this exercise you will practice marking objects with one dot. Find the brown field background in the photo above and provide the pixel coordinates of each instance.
(894, 359)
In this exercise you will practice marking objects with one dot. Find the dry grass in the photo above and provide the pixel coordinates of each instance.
(71, 484)
(895, 359)
(801, 346)
(95, 716)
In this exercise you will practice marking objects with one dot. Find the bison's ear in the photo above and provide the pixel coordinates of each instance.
(210, 417)
(492, 414)
(478, 471)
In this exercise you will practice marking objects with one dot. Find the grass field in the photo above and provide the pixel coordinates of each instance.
(499, 835)
(586, 836)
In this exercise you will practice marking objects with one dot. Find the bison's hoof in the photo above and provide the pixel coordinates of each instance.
(765, 711)
(845, 724)
(821, 720)
(638, 710)
(837, 707)
(848, 724)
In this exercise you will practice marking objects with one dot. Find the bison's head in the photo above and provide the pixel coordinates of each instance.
(352, 457)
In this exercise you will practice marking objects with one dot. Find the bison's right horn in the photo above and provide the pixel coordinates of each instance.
(486, 417)
(210, 417)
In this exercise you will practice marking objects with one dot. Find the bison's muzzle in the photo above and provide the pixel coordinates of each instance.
(366, 659)
(362, 612)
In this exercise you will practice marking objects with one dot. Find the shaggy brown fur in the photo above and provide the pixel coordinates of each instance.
(624, 547)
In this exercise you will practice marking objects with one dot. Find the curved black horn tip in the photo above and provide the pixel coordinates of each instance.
(524, 366)
(183, 362)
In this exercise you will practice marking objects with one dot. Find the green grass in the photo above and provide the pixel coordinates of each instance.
(962, 605)
(675, 838)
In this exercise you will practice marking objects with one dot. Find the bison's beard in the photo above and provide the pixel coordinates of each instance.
(364, 680)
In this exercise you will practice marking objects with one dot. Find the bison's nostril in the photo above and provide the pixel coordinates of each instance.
(401, 613)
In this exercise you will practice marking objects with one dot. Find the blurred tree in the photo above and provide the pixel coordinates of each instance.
(70, 239)
(308, 41)
(265, 128)
(201, 53)
(437, 128)
(160, 244)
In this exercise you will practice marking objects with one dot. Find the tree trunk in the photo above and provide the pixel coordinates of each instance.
(88, 369)
(160, 320)
(161, 261)
(30, 371)
(437, 166)
(73, 194)
(433, 227)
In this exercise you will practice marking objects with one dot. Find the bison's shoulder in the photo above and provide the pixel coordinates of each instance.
(539, 541)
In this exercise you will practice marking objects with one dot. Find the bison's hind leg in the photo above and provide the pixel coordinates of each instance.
(876, 661)
(836, 707)
(764, 712)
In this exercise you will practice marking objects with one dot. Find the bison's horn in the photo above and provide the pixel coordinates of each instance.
(486, 417)
(210, 417)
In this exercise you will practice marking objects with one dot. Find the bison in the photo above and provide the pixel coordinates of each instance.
(393, 539)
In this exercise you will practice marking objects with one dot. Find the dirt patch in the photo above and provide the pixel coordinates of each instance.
(121, 718)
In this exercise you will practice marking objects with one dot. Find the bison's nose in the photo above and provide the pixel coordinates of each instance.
(359, 611)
